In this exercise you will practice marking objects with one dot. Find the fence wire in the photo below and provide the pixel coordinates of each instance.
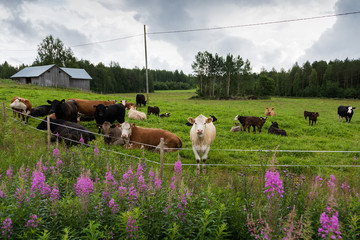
(190, 149)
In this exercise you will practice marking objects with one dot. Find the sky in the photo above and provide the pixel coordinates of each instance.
(113, 31)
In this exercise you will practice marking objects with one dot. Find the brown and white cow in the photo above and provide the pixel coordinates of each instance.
(270, 112)
(86, 107)
(22, 106)
(128, 105)
(148, 138)
(112, 134)
(202, 135)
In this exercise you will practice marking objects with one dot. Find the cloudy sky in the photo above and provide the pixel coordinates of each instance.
(112, 30)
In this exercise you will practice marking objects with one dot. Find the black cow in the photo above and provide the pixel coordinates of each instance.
(109, 113)
(274, 129)
(40, 111)
(242, 120)
(64, 110)
(345, 112)
(313, 118)
(140, 99)
(70, 132)
(155, 110)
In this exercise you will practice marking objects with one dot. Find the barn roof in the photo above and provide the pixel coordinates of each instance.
(37, 71)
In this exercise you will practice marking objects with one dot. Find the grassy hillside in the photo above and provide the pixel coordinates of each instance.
(328, 134)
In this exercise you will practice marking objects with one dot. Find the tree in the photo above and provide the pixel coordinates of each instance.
(53, 51)
(266, 85)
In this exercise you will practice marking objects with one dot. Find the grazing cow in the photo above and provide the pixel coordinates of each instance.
(269, 112)
(86, 107)
(64, 110)
(112, 134)
(70, 132)
(165, 115)
(40, 111)
(313, 118)
(109, 113)
(136, 115)
(274, 129)
(236, 128)
(149, 138)
(155, 110)
(128, 105)
(202, 135)
(140, 99)
(23, 106)
(345, 112)
(255, 122)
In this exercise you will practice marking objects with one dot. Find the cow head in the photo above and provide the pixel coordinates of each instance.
(123, 102)
(199, 124)
(55, 104)
(274, 124)
(100, 110)
(268, 111)
(126, 129)
(18, 104)
(236, 118)
(350, 110)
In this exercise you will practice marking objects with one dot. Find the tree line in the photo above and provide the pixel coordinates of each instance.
(231, 77)
(105, 79)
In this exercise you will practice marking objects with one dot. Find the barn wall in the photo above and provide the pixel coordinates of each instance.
(54, 77)
(83, 84)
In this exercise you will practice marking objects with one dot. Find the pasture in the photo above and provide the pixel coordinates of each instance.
(108, 192)
(327, 135)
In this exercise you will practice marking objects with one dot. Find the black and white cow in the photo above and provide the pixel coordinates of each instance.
(345, 112)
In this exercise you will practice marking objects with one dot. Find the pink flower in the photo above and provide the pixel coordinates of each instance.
(96, 151)
(56, 153)
(7, 227)
(84, 185)
(177, 168)
(81, 139)
(273, 183)
(9, 172)
(33, 222)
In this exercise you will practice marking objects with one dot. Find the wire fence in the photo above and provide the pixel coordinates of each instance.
(186, 149)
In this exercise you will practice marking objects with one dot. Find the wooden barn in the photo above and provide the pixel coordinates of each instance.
(54, 76)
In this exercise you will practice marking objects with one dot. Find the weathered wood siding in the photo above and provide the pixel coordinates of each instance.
(83, 84)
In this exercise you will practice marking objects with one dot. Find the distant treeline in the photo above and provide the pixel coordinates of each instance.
(229, 77)
(113, 78)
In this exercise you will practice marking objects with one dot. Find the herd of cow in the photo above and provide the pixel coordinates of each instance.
(64, 117)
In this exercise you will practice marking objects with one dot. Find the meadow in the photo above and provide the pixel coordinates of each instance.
(105, 192)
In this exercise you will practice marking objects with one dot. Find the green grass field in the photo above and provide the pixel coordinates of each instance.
(327, 135)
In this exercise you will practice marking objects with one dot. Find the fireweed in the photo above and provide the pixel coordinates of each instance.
(33, 222)
(6, 228)
(84, 185)
(273, 183)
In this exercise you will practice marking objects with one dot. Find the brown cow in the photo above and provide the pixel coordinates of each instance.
(86, 107)
(128, 105)
(269, 112)
(22, 106)
(254, 121)
(149, 138)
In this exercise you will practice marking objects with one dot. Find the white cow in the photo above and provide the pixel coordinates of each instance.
(135, 114)
(20, 107)
(202, 135)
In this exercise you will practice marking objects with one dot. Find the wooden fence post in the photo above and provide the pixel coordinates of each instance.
(4, 111)
(161, 157)
(48, 130)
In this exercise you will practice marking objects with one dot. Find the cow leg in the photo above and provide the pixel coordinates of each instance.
(198, 166)
(197, 157)
(203, 166)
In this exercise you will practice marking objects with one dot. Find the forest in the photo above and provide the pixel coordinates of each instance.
(213, 76)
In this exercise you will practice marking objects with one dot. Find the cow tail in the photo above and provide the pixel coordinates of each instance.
(180, 143)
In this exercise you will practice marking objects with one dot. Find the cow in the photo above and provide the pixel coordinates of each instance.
(274, 129)
(345, 112)
(255, 122)
(22, 106)
(269, 112)
(112, 134)
(70, 132)
(236, 128)
(86, 107)
(128, 105)
(140, 99)
(242, 119)
(40, 111)
(313, 118)
(212, 116)
(66, 110)
(202, 135)
(252, 97)
(148, 138)
(109, 113)
(307, 114)
(136, 115)
(155, 110)
(165, 115)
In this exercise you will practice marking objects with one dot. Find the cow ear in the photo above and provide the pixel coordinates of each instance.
(132, 125)
(354, 107)
(48, 101)
(209, 120)
(272, 108)
(191, 120)
(62, 101)
(95, 106)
